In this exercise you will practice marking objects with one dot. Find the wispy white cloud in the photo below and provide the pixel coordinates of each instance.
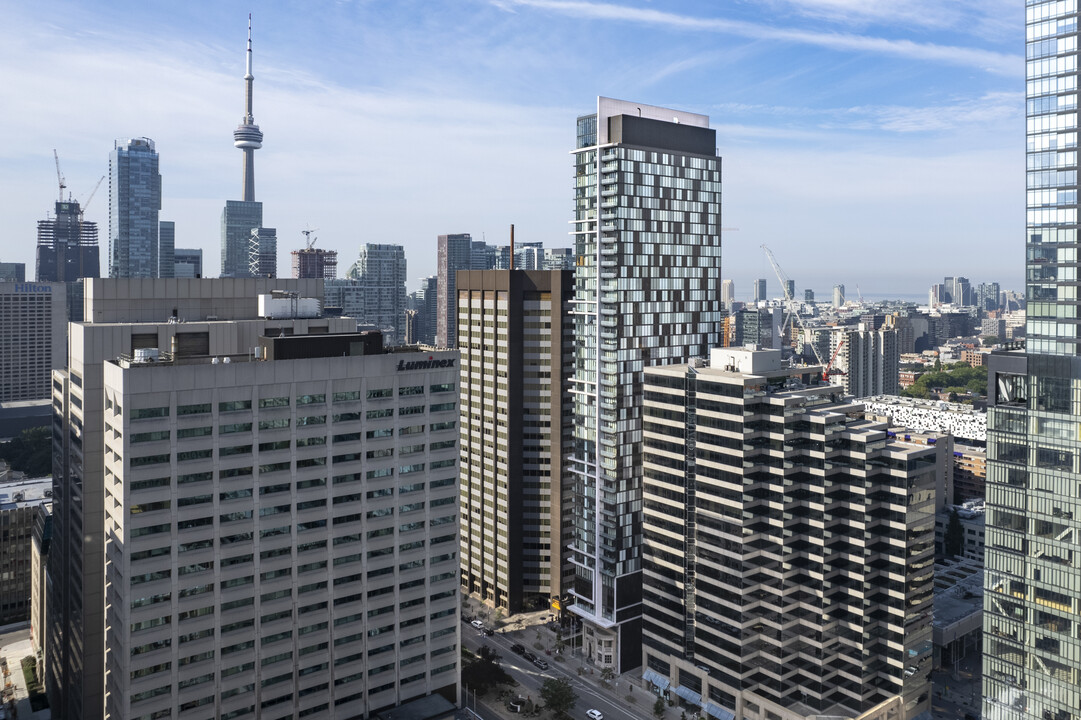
(987, 60)
(987, 18)
(968, 114)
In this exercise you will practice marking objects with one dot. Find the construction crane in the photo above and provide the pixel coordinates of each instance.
(829, 371)
(59, 175)
(82, 208)
(82, 213)
(787, 297)
(309, 241)
(826, 372)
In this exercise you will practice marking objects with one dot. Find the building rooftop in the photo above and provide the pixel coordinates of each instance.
(16, 494)
(924, 404)
(958, 592)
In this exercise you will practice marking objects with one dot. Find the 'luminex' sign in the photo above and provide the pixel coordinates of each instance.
(429, 364)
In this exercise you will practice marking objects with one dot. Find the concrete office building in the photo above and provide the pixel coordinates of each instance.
(19, 501)
(515, 337)
(454, 253)
(760, 290)
(972, 515)
(558, 259)
(838, 296)
(647, 292)
(1032, 658)
(284, 530)
(32, 338)
(166, 248)
(789, 546)
(125, 315)
(67, 248)
(247, 248)
(987, 296)
(41, 540)
(381, 271)
(728, 293)
(344, 296)
(187, 263)
(134, 204)
(759, 326)
(528, 256)
(871, 362)
(969, 473)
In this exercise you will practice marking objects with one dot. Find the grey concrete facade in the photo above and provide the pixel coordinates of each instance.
(281, 535)
(32, 321)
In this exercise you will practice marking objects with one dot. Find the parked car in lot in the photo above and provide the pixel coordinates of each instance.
(542, 664)
(594, 714)
(478, 624)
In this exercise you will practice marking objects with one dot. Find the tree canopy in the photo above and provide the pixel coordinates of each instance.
(30, 452)
(959, 378)
(558, 696)
(484, 673)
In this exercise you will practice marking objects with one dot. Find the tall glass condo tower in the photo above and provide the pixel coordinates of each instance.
(647, 209)
(1032, 606)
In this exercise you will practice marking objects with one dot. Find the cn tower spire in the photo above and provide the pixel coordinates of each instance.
(247, 136)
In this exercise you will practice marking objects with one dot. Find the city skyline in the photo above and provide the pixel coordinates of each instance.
(886, 125)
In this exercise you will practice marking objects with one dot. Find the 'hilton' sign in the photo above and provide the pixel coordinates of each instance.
(33, 288)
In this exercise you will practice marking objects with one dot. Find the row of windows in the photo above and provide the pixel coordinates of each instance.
(157, 575)
(277, 402)
(320, 688)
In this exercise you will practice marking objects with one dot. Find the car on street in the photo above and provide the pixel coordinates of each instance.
(518, 649)
(594, 714)
(529, 656)
(477, 624)
(542, 664)
(487, 631)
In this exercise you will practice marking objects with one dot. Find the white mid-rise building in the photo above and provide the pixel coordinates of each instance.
(281, 530)
(32, 321)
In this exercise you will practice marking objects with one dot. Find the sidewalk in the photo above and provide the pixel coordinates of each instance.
(15, 652)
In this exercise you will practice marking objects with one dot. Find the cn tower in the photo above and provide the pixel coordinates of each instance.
(248, 137)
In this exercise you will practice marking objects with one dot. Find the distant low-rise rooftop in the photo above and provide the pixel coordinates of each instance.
(24, 493)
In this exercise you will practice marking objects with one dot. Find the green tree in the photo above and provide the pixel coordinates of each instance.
(954, 538)
(484, 673)
(558, 696)
(989, 340)
(30, 452)
(658, 707)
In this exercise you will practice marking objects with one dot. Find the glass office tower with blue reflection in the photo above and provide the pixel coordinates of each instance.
(134, 204)
(1032, 602)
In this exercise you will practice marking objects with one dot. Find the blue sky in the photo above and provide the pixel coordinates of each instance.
(877, 143)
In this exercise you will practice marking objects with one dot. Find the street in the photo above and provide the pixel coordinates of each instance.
(613, 703)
